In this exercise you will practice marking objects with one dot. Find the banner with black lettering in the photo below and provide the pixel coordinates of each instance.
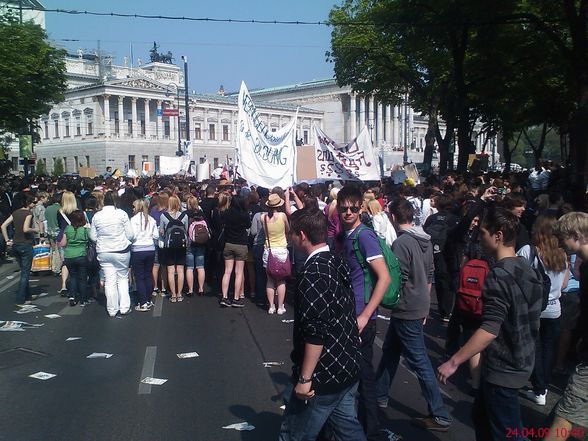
(351, 162)
(266, 158)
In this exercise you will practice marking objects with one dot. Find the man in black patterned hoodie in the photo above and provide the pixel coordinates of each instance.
(326, 354)
(511, 296)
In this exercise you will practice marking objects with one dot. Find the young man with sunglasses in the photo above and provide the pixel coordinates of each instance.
(349, 201)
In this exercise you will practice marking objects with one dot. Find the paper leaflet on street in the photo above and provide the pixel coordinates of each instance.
(350, 162)
(265, 158)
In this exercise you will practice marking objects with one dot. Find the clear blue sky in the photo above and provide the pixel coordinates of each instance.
(218, 53)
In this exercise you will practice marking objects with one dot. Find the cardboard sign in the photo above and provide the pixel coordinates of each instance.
(305, 163)
(87, 172)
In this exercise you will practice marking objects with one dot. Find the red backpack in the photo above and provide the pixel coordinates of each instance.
(469, 293)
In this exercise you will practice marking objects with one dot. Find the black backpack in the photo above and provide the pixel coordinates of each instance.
(438, 229)
(175, 233)
(542, 275)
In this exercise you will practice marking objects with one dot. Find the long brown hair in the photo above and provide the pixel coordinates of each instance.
(552, 256)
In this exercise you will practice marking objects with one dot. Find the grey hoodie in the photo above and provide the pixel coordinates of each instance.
(414, 251)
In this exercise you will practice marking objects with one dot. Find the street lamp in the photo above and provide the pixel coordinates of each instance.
(405, 159)
(187, 104)
(179, 151)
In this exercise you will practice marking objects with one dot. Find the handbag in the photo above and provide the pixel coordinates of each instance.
(276, 269)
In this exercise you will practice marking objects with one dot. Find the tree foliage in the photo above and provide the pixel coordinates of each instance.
(40, 168)
(32, 72)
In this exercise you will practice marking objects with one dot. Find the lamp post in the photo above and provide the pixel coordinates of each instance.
(185, 60)
(179, 151)
(405, 159)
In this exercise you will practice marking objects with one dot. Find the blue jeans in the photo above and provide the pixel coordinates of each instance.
(367, 409)
(496, 413)
(142, 264)
(544, 352)
(23, 253)
(78, 277)
(304, 421)
(260, 274)
(406, 337)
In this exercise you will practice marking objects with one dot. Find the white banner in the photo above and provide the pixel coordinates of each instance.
(351, 162)
(171, 165)
(203, 171)
(265, 158)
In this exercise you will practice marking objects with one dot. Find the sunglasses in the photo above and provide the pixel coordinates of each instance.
(353, 209)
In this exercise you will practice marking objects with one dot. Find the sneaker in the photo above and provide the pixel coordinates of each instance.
(150, 304)
(281, 310)
(382, 403)
(128, 311)
(63, 292)
(72, 301)
(238, 304)
(391, 436)
(430, 423)
(83, 304)
(142, 308)
(22, 305)
(538, 399)
(271, 310)
(34, 296)
(225, 302)
(155, 292)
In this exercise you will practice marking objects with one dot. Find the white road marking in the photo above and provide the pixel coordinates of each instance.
(148, 369)
(158, 308)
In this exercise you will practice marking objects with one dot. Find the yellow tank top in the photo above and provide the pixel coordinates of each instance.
(276, 230)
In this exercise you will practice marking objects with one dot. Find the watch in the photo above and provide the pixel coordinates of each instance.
(302, 380)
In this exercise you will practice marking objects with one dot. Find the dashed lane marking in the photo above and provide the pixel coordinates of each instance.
(148, 369)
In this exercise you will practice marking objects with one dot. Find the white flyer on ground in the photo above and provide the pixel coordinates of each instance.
(73, 338)
(52, 316)
(99, 355)
(155, 381)
(188, 355)
(42, 376)
(27, 309)
(272, 363)
(240, 426)
(288, 321)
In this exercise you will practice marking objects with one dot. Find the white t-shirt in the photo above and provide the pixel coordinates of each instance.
(553, 309)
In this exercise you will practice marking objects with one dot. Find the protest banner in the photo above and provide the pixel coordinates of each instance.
(171, 165)
(350, 162)
(265, 158)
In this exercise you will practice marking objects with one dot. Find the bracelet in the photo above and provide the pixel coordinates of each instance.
(302, 380)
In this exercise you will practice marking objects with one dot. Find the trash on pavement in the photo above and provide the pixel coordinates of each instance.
(17, 326)
(240, 426)
(42, 376)
(52, 316)
(73, 338)
(287, 321)
(151, 380)
(99, 355)
(188, 355)
(268, 364)
(26, 309)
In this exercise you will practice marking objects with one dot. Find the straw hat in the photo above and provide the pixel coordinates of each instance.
(274, 201)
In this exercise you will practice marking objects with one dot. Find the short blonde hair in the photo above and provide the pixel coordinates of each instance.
(68, 202)
(574, 224)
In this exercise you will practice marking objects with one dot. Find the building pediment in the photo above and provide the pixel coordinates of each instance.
(138, 83)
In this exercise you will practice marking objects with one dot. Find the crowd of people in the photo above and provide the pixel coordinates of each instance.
(504, 254)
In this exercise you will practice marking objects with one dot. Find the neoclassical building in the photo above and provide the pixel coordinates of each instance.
(118, 116)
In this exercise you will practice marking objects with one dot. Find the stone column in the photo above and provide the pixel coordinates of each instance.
(134, 116)
(61, 127)
(389, 122)
(395, 125)
(159, 122)
(361, 113)
(147, 119)
(352, 117)
(121, 117)
(107, 116)
(72, 125)
(372, 118)
(173, 130)
(380, 126)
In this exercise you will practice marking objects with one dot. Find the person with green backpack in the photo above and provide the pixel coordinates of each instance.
(364, 256)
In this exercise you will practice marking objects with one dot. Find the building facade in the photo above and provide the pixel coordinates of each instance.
(116, 116)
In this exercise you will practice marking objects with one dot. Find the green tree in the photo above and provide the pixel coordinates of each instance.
(5, 163)
(40, 168)
(58, 169)
(33, 75)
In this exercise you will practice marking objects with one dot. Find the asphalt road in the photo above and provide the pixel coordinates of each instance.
(104, 399)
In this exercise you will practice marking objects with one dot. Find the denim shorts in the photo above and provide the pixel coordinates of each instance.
(195, 257)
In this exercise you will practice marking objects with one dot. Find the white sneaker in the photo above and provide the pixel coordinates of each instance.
(142, 308)
(537, 399)
(272, 310)
(281, 310)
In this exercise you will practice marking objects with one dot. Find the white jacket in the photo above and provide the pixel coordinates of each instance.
(111, 230)
(144, 235)
(384, 228)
